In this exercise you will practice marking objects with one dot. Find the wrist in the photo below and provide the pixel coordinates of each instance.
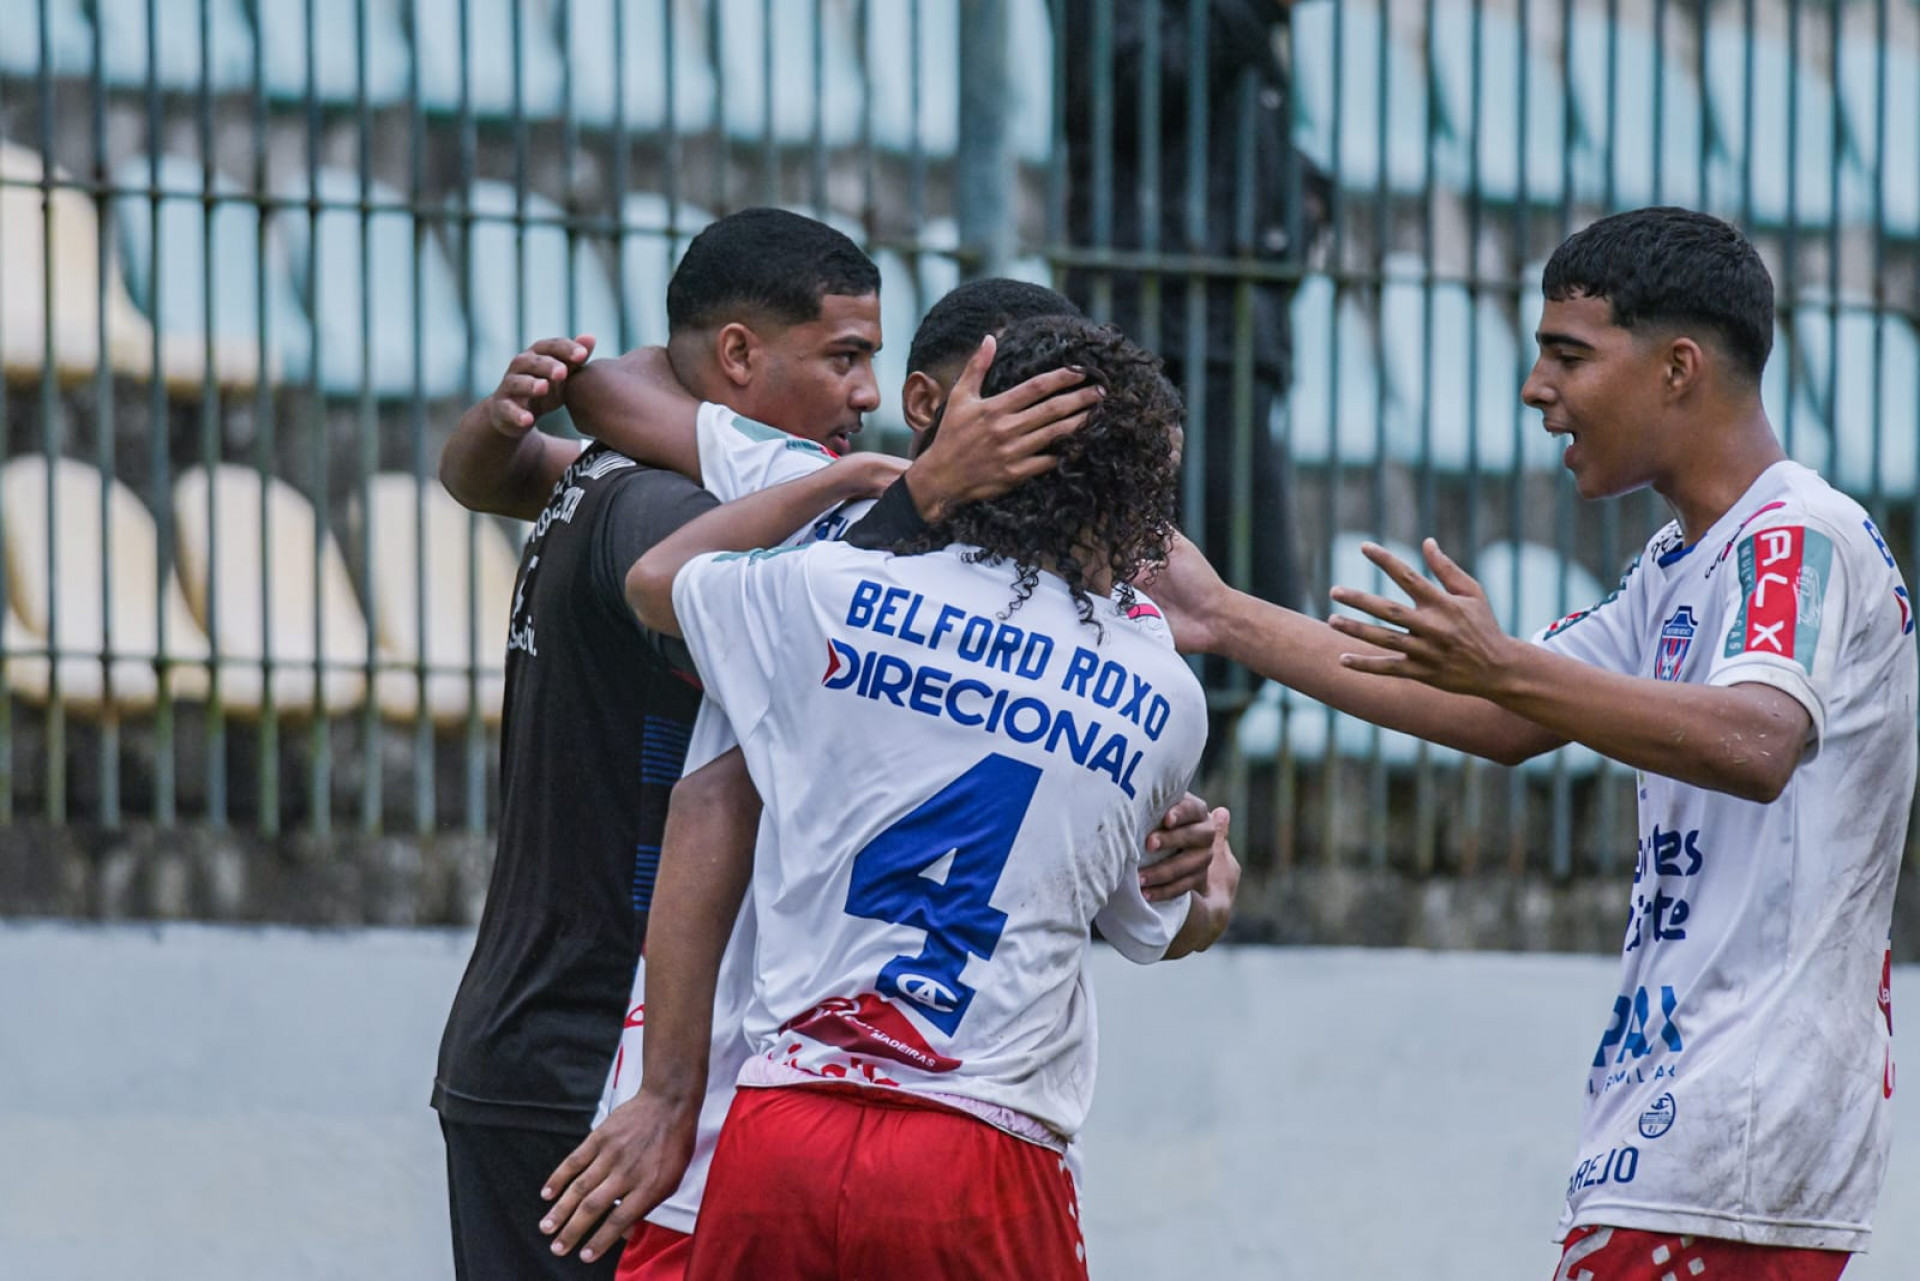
(930, 498)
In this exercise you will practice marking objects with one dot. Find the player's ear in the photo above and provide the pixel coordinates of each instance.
(1685, 365)
(920, 399)
(736, 350)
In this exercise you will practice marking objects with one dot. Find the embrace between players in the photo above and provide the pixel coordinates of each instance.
(954, 686)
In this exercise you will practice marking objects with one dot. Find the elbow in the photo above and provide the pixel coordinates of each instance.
(650, 595)
(1761, 782)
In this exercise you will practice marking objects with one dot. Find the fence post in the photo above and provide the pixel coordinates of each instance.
(983, 162)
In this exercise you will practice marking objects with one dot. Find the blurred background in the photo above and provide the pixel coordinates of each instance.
(257, 255)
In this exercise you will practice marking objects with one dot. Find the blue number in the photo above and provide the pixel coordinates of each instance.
(969, 825)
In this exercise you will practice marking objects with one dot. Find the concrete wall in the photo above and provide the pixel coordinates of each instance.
(205, 1103)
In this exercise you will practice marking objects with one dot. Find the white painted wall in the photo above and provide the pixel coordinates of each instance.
(208, 1103)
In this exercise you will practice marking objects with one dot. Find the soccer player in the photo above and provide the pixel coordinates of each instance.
(1003, 738)
(1756, 667)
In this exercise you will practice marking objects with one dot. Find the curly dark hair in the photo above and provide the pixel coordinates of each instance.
(1111, 500)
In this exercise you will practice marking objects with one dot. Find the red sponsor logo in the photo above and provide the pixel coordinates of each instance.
(1773, 610)
(870, 1025)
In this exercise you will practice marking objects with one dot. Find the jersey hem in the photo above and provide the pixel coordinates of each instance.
(467, 1109)
(760, 1073)
(1797, 1234)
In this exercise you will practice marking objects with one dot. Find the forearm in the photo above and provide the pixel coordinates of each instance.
(706, 859)
(509, 474)
(1303, 654)
(1207, 918)
(635, 404)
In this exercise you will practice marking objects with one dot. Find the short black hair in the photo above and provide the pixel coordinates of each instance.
(767, 261)
(1669, 266)
(1114, 492)
(954, 326)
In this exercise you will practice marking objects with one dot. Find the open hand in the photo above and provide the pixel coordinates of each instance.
(625, 1168)
(1447, 637)
(535, 383)
(1189, 592)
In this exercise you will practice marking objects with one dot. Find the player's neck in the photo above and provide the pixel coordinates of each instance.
(1722, 466)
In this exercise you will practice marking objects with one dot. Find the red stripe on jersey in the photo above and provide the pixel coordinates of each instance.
(1773, 610)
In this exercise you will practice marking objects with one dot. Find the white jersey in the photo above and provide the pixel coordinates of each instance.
(1741, 1085)
(952, 800)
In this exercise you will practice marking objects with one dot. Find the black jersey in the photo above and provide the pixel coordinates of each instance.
(593, 738)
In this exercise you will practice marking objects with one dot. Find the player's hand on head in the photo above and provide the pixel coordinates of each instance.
(989, 444)
(1182, 850)
(1444, 634)
(535, 382)
(629, 1164)
(1188, 591)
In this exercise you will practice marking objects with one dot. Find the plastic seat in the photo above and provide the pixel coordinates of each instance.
(633, 65)
(1347, 137)
(1312, 728)
(896, 64)
(179, 304)
(1334, 412)
(500, 35)
(81, 296)
(1793, 118)
(1868, 412)
(1485, 123)
(177, 60)
(907, 290)
(399, 506)
(338, 45)
(506, 319)
(69, 37)
(93, 591)
(653, 236)
(1626, 148)
(257, 612)
(784, 110)
(1457, 372)
(377, 273)
(1864, 97)
(1531, 586)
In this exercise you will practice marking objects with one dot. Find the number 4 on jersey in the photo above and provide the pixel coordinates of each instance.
(936, 870)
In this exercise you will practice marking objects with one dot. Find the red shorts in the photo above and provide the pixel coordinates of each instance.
(870, 1185)
(1626, 1254)
(654, 1253)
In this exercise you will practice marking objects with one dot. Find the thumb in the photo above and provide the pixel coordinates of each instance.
(975, 372)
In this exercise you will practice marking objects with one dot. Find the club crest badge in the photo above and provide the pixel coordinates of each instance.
(1676, 638)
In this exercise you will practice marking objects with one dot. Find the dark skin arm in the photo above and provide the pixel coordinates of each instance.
(1212, 905)
(495, 461)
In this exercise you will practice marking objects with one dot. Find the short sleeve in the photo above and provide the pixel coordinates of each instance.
(739, 612)
(642, 509)
(739, 456)
(1139, 930)
(1608, 635)
(1788, 607)
(892, 521)
(712, 737)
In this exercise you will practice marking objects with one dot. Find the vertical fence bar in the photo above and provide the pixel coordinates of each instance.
(982, 164)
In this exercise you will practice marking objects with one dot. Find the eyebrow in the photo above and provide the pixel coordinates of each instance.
(1554, 339)
(855, 341)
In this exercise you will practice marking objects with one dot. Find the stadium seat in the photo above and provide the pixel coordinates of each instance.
(66, 583)
(376, 274)
(1347, 136)
(69, 39)
(1869, 413)
(499, 37)
(634, 66)
(403, 592)
(77, 304)
(1792, 105)
(806, 78)
(1457, 371)
(1484, 120)
(653, 235)
(505, 318)
(179, 308)
(1313, 728)
(338, 46)
(901, 72)
(1863, 102)
(1030, 71)
(177, 60)
(907, 290)
(1631, 152)
(259, 613)
(1529, 587)
(1336, 414)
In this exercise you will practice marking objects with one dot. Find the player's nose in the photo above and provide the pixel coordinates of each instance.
(864, 396)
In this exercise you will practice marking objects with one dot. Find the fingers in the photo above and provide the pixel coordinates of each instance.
(1390, 639)
(564, 351)
(1406, 577)
(1384, 608)
(613, 1230)
(569, 1170)
(574, 1195)
(1455, 579)
(1182, 872)
(1186, 811)
(1043, 387)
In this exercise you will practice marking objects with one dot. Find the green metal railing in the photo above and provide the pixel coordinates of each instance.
(1432, 152)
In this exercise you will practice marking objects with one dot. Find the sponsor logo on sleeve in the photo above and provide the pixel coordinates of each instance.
(1783, 580)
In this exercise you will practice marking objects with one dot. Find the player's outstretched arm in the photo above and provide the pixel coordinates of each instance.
(764, 519)
(635, 1159)
(495, 461)
(635, 404)
(1744, 740)
(1212, 905)
(1208, 617)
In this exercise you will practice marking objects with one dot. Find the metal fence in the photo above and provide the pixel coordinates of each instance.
(256, 255)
